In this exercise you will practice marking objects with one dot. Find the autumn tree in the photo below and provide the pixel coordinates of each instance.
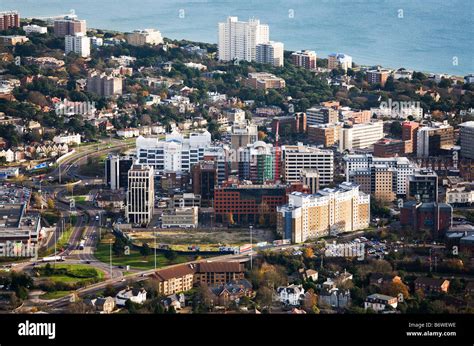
(308, 252)
(394, 288)
(310, 300)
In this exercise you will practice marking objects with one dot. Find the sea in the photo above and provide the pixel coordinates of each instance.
(434, 36)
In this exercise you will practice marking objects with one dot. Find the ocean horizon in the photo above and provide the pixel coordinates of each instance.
(425, 35)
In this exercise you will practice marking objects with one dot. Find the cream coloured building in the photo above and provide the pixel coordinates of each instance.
(360, 136)
(142, 37)
(336, 210)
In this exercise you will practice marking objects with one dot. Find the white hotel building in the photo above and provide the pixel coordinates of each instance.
(360, 136)
(79, 44)
(402, 165)
(300, 157)
(239, 40)
(176, 153)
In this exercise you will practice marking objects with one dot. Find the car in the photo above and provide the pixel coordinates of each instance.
(121, 267)
(88, 262)
(123, 280)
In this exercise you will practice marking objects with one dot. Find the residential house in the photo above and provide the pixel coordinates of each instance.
(378, 279)
(177, 301)
(291, 295)
(135, 295)
(380, 302)
(231, 292)
(105, 305)
(334, 298)
(309, 274)
(432, 284)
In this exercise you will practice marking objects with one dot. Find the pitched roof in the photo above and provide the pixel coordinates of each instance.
(219, 267)
(429, 281)
(178, 271)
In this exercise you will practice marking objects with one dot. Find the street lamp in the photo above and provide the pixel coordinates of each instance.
(251, 248)
(111, 274)
(154, 236)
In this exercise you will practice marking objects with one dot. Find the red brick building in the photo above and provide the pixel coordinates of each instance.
(248, 204)
(389, 148)
(436, 217)
(8, 20)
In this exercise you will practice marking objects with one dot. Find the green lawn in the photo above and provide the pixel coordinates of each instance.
(80, 199)
(72, 273)
(135, 259)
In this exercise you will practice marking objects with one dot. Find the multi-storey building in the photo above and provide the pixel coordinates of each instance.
(218, 273)
(140, 195)
(378, 180)
(288, 124)
(466, 135)
(79, 44)
(391, 147)
(423, 185)
(355, 116)
(460, 195)
(321, 115)
(296, 158)
(243, 134)
(142, 37)
(433, 216)
(103, 84)
(235, 115)
(378, 76)
(9, 19)
(256, 162)
(178, 153)
(204, 175)
(403, 167)
(238, 40)
(324, 134)
(175, 279)
(434, 140)
(270, 53)
(20, 232)
(116, 171)
(69, 26)
(310, 178)
(360, 136)
(339, 60)
(35, 29)
(305, 58)
(248, 203)
(181, 217)
(409, 130)
(264, 81)
(329, 211)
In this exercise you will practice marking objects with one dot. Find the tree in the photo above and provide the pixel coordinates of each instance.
(395, 288)
(396, 129)
(50, 203)
(264, 296)
(310, 300)
(109, 291)
(308, 252)
(171, 255)
(118, 247)
(145, 250)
